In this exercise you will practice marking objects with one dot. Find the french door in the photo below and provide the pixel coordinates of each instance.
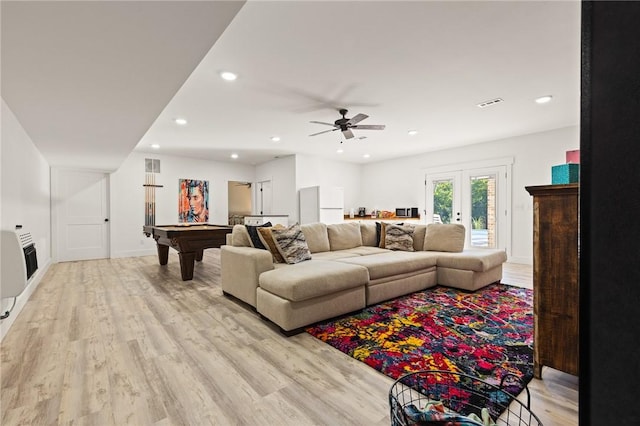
(475, 198)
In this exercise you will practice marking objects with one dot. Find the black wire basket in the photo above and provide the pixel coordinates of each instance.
(459, 396)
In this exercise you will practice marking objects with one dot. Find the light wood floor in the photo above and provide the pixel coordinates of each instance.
(126, 342)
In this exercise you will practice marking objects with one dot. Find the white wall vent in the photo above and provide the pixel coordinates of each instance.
(490, 103)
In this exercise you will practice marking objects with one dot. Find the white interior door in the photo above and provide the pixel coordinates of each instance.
(264, 197)
(81, 214)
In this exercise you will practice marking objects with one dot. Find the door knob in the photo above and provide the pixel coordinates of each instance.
(106, 220)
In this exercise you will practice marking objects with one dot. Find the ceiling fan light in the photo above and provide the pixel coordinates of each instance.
(227, 75)
(544, 99)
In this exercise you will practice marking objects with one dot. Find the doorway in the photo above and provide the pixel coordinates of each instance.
(80, 214)
(239, 201)
(476, 198)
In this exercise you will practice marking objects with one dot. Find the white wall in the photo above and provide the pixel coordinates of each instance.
(400, 182)
(26, 200)
(282, 174)
(316, 171)
(127, 196)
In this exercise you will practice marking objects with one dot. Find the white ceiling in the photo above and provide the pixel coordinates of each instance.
(408, 65)
(86, 79)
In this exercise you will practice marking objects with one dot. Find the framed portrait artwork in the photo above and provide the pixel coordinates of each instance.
(193, 201)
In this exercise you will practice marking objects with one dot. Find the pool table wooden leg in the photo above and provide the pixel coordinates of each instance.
(163, 253)
(199, 254)
(187, 261)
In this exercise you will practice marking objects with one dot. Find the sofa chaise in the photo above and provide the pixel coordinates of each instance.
(332, 270)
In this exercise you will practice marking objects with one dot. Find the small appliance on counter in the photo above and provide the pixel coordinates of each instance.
(407, 212)
(361, 211)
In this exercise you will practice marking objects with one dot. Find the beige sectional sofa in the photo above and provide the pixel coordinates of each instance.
(348, 270)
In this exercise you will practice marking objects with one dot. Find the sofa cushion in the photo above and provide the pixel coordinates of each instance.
(291, 244)
(240, 236)
(332, 255)
(399, 237)
(266, 236)
(393, 262)
(344, 235)
(254, 238)
(312, 279)
(418, 237)
(444, 237)
(479, 260)
(368, 232)
(316, 236)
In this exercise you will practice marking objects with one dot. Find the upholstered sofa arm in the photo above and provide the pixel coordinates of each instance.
(240, 269)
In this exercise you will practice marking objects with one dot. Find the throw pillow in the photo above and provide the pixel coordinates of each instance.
(266, 236)
(381, 232)
(399, 237)
(291, 244)
(254, 237)
(444, 237)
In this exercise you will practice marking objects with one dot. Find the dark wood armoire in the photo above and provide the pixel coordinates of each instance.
(556, 282)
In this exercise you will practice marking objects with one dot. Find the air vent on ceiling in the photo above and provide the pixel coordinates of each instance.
(490, 103)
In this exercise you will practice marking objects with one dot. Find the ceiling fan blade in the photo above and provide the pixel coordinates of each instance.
(324, 131)
(348, 134)
(322, 122)
(369, 127)
(357, 118)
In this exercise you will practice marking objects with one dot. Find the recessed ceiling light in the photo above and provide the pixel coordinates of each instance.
(340, 151)
(366, 156)
(155, 146)
(234, 155)
(275, 138)
(544, 99)
(180, 121)
(412, 132)
(229, 76)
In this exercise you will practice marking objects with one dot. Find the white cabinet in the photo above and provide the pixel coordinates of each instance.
(321, 204)
(256, 220)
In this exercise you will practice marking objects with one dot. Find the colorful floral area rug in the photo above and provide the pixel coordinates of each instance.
(486, 334)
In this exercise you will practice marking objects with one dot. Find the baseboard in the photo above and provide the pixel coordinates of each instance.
(134, 253)
(520, 259)
(22, 299)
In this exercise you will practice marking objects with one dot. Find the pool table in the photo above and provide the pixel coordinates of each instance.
(189, 240)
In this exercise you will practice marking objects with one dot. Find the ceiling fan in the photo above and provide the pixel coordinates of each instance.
(345, 124)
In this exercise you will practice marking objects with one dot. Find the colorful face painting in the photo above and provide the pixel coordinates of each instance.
(193, 201)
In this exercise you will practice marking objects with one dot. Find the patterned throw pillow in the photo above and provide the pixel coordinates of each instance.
(266, 236)
(399, 237)
(291, 244)
(255, 238)
(381, 233)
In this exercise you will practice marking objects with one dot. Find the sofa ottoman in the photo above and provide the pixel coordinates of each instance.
(396, 273)
(307, 292)
(470, 269)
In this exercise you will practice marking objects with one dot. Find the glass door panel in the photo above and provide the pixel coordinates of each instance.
(483, 211)
(444, 198)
